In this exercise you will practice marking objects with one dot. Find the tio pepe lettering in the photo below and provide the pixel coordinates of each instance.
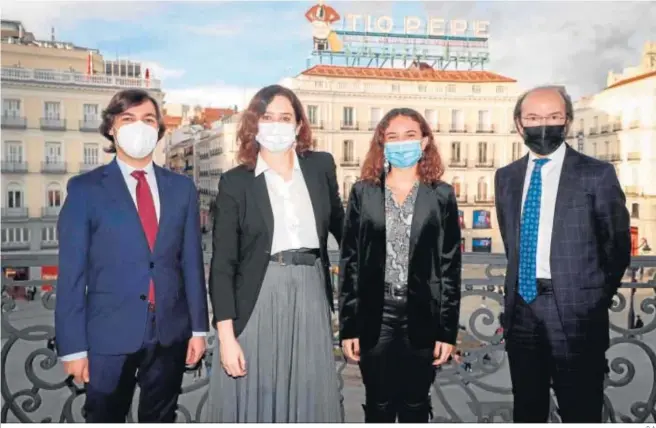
(414, 24)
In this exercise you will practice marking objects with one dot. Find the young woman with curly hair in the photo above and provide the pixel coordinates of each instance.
(269, 283)
(400, 272)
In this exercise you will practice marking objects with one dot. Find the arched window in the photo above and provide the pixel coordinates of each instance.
(456, 186)
(482, 189)
(54, 197)
(15, 195)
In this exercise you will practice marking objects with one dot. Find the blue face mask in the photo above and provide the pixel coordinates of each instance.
(403, 154)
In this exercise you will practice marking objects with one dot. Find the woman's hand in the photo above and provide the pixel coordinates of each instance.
(442, 352)
(232, 357)
(351, 348)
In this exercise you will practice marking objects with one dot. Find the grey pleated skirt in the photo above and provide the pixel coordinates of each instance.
(288, 347)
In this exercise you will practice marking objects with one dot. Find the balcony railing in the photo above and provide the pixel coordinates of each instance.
(14, 246)
(49, 124)
(89, 125)
(14, 213)
(605, 129)
(484, 199)
(474, 389)
(54, 167)
(484, 129)
(611, 157)
(462, 198)
(317, 124)
(458, 163)
(84, 167)
(617, 126)
(216, 151)
(350, 162)
(632, 190)
(14, 122)
(50, 212)
(14, 167)
(349, 125)
(485, 163)
(18, 74)
(633, 156)
(457, 129)
(634, 124)
(593, 131)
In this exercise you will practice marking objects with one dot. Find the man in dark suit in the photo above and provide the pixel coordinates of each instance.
(131, 296)
(565, 229)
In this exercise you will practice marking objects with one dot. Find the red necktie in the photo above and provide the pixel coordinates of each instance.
(148, 216)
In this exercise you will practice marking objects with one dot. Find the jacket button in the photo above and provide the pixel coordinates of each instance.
(143, 297)
(152, 265)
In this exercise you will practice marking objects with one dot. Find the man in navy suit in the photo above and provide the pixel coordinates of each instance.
(565, 228)
(131, 295)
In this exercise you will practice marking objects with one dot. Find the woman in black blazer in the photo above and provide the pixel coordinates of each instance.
(400, 270)
(269, 284)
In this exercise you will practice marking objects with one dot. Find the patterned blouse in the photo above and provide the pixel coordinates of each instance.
(398, 219)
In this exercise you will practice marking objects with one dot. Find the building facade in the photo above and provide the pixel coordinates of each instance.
(470, 113)
(618, 125)
(52, 97)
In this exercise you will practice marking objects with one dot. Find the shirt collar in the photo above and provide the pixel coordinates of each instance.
(261, 165)
(556, 157)
(127, 170)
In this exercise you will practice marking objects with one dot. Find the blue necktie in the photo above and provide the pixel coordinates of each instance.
(528, 235)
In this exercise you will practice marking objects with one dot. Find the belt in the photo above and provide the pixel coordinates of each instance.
(301, 257)
(396, 291)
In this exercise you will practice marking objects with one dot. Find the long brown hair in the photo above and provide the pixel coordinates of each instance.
(248, 126)
(430, 165)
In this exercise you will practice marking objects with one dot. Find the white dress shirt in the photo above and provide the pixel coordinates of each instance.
(126, 171)
(550, 180)
(294, 224)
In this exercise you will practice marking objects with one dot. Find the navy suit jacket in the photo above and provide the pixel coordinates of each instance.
(105, 265)
(590, 242)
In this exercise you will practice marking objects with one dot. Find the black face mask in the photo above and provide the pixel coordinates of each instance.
(544, 140)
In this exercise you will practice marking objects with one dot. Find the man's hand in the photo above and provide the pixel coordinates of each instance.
(351, 348)
(195, 350)
(442, 352)
(79, 369)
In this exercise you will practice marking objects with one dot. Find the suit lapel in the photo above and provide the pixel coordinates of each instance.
(165, 201)
(567, 188)
(314, 189)
(422, 211)
(261, 195)
(516, 193)
(117, 189)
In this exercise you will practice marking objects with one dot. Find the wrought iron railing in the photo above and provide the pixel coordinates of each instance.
(476, 388)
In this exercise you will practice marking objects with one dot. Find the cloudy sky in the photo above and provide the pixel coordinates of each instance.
(219, 53)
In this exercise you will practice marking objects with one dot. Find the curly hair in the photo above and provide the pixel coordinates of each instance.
(248, 126)
(430, 165)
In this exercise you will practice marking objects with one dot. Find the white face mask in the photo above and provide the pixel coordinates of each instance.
(137, 139)
(276, 136)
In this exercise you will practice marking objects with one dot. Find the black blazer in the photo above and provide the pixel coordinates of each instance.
(590, 242)
(434, 274)
(243, 234)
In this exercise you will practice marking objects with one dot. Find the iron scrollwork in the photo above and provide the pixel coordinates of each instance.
(475, 387)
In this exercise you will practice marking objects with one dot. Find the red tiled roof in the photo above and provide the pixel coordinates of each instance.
(425, 75)
(172, 122)
(632, 79)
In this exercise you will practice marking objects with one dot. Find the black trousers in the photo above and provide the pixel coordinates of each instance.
(540, 358)
(396, 376)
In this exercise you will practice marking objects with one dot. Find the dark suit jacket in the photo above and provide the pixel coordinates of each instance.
(243, 234)
(435, 263)
(590, 242)
(105, 265)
